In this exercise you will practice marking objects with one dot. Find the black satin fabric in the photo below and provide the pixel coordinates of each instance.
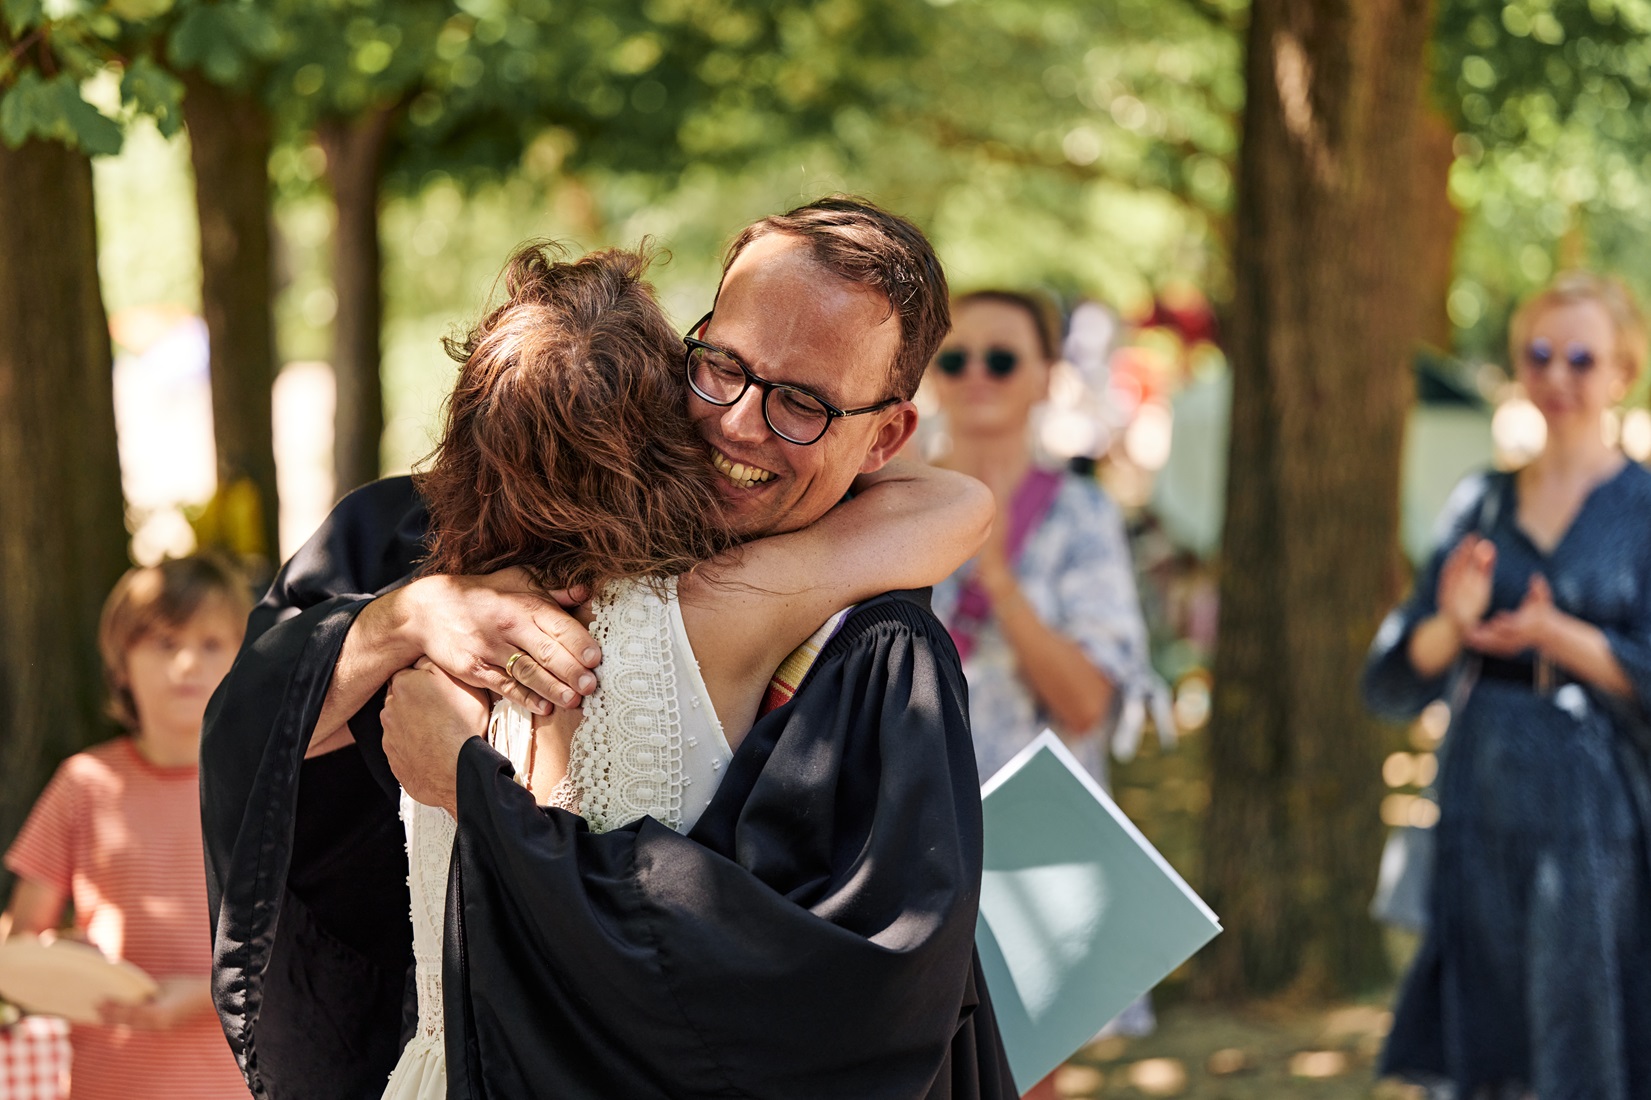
(812, 937)
(306, 866)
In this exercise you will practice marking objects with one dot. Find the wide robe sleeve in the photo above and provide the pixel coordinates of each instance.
(1391, 686)
(811, 937)
(306, 868)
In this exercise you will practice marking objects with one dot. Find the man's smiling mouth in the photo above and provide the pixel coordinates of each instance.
(740, 474)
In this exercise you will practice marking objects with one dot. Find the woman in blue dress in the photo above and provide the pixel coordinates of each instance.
(1534, 977)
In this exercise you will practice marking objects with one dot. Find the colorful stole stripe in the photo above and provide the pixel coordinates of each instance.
(792, 670)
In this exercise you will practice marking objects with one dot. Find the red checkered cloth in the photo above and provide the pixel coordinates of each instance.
(34, 1059)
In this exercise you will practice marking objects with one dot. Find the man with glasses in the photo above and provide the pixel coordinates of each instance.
(784, 949)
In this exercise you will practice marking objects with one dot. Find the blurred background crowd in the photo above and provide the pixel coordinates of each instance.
(1264, 255)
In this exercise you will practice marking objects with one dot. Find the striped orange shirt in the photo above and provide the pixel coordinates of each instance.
(121, 838)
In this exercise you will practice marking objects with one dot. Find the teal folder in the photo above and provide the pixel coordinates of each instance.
(1079, 914)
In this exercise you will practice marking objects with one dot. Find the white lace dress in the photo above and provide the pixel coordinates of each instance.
(649, 744)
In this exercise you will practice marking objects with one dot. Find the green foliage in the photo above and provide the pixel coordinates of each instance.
(1552, 99)
(52, 109)
(137, 11)
(227, 41)
(640, 85)
(155, 93)
(49, 51)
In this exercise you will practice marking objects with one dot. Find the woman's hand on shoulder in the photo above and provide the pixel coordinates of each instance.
(471, 626)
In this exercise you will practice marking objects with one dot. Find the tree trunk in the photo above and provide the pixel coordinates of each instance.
(355, 161)
(1323, 322)
(63, 539)
(229, 138)
(1438, 225)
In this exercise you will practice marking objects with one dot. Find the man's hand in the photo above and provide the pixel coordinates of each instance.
(428, 716)
(471, 626)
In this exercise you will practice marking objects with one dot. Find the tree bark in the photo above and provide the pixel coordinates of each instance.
(230, 140)
(355, 163)
(1438, 225)
(63, 539)
(1323, 322)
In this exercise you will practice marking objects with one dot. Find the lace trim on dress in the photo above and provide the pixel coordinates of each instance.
(430, 836)
(625, 761)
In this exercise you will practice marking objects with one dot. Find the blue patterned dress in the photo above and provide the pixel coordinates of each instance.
(1535, 972)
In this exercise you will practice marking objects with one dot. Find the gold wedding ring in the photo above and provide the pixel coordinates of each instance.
(510, 664)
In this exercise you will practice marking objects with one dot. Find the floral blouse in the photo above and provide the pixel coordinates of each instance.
(1076, 572)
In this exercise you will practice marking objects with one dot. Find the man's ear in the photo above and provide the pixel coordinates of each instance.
(897, 426)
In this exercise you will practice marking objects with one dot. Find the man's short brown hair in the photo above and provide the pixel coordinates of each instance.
(155, 596)
(859, 241)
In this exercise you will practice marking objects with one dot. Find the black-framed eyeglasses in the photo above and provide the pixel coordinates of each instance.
(1000, 362)
(794, 414)
(1540, 352)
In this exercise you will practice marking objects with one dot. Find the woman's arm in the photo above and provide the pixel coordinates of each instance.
(1463, 595)
(1575, 645)
(1076, 694)
(1582, 649)
(908, 526)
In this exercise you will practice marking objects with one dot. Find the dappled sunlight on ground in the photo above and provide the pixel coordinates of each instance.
(1256, 1053)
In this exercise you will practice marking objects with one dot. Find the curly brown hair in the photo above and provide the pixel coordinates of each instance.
(568, 449)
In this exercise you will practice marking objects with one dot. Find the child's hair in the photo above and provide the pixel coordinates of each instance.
(568, 449)
(154, 596)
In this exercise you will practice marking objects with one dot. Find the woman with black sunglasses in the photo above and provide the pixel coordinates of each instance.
(1534, 618)
(1046, 617)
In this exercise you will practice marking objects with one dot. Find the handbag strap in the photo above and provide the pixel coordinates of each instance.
(1465, 675)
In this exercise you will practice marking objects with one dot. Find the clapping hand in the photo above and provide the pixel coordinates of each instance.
(1465, 583)
(1511, 633)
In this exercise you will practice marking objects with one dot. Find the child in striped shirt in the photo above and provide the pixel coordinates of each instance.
(117, 834)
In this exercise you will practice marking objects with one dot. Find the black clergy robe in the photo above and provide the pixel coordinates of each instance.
(812, 936)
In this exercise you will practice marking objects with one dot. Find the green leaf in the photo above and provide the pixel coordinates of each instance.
(136, 11)
(204, 39)
(151, 90)
(25, 110)
(53, 110)
(19, 14)
(255, 28)
(95, 133)
(224, 40)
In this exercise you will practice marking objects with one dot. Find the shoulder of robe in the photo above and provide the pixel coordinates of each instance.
(906, 609)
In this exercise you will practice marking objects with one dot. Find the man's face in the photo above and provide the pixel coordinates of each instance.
(792, 321)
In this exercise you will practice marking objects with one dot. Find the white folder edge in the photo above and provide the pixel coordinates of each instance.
(1048, 739)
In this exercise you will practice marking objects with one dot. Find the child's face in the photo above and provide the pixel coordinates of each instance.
(173, 669)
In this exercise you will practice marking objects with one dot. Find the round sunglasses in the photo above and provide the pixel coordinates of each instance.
(1000, 362)
(1540, 352)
